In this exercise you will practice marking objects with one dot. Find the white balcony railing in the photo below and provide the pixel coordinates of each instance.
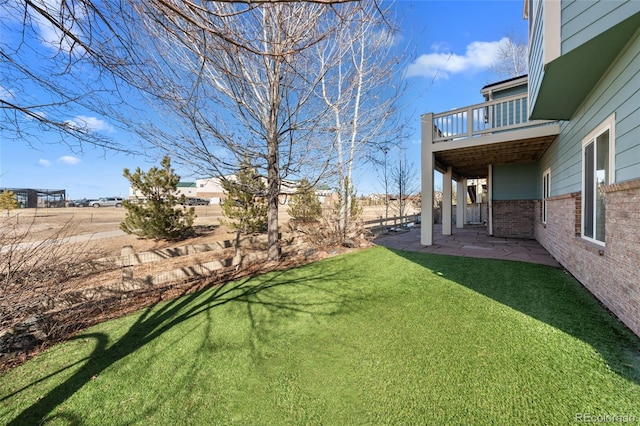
(483, 119)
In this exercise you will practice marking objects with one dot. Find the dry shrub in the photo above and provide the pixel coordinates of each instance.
(326, 233)
(32, 273)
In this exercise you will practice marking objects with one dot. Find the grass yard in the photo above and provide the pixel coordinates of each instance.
(374, 337)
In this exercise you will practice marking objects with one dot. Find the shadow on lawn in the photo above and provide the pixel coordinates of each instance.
(550, 295)
(155, 320)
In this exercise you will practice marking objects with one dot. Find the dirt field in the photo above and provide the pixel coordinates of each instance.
(43, 224)
(100, 237)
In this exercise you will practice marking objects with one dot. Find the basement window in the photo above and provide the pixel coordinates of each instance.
(546, 193)
(598, 153)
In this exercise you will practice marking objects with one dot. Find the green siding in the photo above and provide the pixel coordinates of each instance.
(518, 90)
(617, 92)
(516, 181)
(582, 20)
(628, 115)
(536, 67)
(592, 35)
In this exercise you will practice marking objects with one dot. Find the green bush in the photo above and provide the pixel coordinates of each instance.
(304, 205)
(8, 201)
(245, 205)
(157, 217)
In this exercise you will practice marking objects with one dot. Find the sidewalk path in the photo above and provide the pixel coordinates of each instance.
(67, 240)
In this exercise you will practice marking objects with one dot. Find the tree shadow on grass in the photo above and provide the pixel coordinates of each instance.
(158, 319)
(547, 294)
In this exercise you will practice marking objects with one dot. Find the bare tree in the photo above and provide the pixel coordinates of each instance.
(246, 95)
(255, 94)
(361, 88)
(385, 181)
(62, 60)
(33, 273)
(512, 59)
(224, 80)
(405, 178)
(47, 82)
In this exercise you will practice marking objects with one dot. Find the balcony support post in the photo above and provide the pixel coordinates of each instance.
(490, 198)
(447, 197)
(427, 166)
(461, 208)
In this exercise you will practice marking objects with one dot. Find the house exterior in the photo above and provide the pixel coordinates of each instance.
(188, 189)
(211, 189)
(568, 174)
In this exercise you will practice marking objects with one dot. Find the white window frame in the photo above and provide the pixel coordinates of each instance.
(607, 124)
(546, 193)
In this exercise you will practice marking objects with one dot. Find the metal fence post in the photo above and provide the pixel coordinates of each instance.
(127, 267)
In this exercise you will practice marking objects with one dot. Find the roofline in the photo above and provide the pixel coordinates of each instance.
(505, 84)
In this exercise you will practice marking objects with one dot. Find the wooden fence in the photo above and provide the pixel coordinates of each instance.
(378, 225)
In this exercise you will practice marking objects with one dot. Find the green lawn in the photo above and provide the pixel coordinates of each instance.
(375, 337)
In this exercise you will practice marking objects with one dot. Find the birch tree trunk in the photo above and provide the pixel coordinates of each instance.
(365, 86)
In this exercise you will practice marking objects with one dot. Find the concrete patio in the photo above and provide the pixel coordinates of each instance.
(471, 241)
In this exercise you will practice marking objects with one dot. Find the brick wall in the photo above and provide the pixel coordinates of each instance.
(611, 273)
(514, 218)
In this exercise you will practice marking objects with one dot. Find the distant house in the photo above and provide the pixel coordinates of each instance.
(188, 189)
(211, 189)
(559, 148)
(323, 192)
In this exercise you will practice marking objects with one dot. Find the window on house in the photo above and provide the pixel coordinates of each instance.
(546, 192)
(597, 171)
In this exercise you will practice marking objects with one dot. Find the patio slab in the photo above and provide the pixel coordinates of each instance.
(471, 241)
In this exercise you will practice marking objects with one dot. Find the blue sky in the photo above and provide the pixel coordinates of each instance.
(453, 43)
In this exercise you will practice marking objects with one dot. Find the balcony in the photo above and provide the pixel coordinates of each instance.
(467, 142)
(469, 139)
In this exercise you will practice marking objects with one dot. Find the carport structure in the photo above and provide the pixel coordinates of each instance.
(34, 198)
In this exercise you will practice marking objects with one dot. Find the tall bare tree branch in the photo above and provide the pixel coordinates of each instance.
(512, 59)
(362, 89)
(48, 46)
(208, 82)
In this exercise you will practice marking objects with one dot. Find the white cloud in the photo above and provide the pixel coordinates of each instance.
(68, 159)
(44, 163)
(478, 56)
(90, 123)
(440, 46)
(51, 36)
